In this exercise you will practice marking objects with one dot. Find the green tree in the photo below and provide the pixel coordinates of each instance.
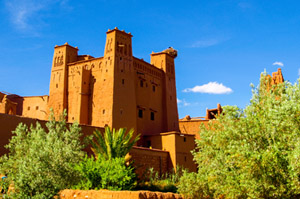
(40, 163)
(101, 173)
(113, 144)
(252, 152)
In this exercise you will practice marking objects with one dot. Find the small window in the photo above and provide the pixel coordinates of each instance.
(36, 108)
(28, 108)
(121, 111)
(153, 88)
(123, 81)
(152, 116)
(184, 139)
(56, 85)
(121, 58)
(103, 111)
(140, 113)
(148, 143)
(142, 83)
(185, 158)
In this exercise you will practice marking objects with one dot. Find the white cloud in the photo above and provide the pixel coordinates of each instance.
(211, 88)
(278, 63)
(183, 102)
(24, 13)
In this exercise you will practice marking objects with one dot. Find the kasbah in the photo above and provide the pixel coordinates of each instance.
(117, 90)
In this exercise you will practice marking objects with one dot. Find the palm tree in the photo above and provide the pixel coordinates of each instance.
(113, 144)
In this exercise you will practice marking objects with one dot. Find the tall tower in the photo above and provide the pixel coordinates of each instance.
(165, 60)
(58, 99)
(118, 48)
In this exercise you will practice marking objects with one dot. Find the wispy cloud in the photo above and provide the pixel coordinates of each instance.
(204, 43)
(278, 63)
(183, 102)
(24, 13)
(211, 88)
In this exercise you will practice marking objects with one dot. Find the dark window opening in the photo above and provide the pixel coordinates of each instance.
(184, 139)
(56, 85)
(185, 158)
(142, 83)
(148, 143)
(153, 88)
(140, 113)
(123, 81)
(120, 58)
(28, 108)
(36, 108)
(152, 116)
(103, 111)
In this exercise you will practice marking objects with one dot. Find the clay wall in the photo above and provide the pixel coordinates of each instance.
(8, 123)
(35, 107)
(7, 106)
(192, 127)
(145, 158)
(179, 147)
(149, 97)
(106, 194)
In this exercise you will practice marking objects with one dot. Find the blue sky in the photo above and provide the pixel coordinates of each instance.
(223, 45)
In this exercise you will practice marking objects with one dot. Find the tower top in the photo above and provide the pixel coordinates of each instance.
(120, 31)
(170, 51)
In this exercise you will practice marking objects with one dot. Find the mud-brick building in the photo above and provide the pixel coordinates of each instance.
(117, 90)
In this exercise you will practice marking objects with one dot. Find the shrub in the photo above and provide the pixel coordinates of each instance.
(252, 152)
(168, 182)
(39, 163)
(113, 144)
(100, 173)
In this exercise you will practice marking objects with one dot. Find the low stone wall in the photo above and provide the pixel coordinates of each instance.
(145, 158)
(105, 194)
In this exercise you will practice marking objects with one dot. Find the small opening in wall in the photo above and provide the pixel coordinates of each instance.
(72, 118)
(28, 108)
(185, 158)
(121, 111)
(153, 88)
(84, 83)
(121, 58)
(152, 116)
(104, 80)
(184, 139)
(142, 83)
(36, 108)
(148, 143)
(123, 81)
(106, 70)
(140, 113)
(103, 112)
(122, 71)
(56, 85)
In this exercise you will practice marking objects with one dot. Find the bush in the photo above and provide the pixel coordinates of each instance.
(100, 173)
(40, 164)
(252, 152)
(168, 182)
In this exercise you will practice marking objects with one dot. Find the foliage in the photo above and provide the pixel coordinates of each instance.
(166, 183)
(113, 144)
(41, 163)
(111, 174)
(252, 152)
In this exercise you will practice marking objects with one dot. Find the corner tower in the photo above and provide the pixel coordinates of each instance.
(165, 61)
(58, 99)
